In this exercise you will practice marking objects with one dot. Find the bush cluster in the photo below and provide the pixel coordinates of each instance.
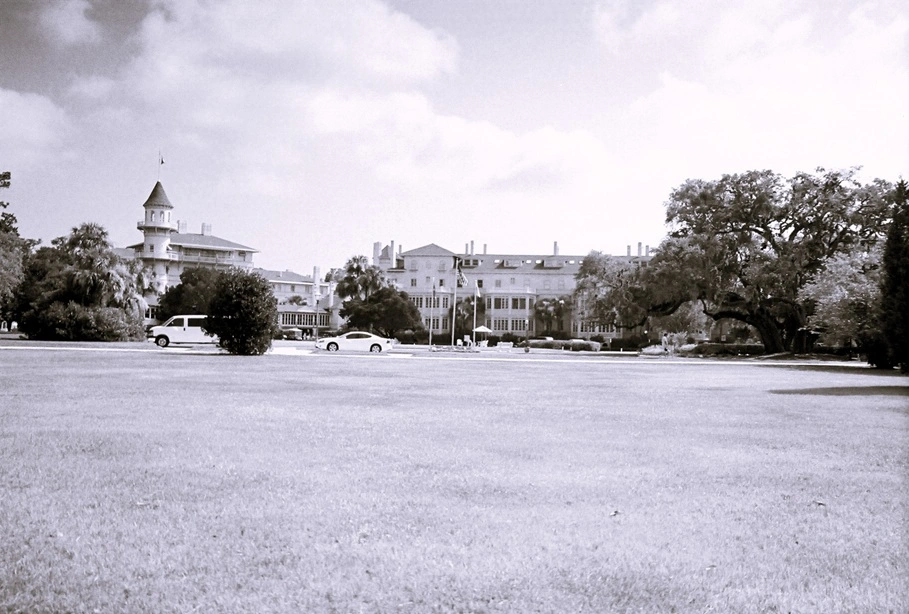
(728, 349)
(575, 345)
(71, 321)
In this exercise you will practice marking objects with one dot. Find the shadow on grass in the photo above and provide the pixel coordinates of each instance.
(839, 391)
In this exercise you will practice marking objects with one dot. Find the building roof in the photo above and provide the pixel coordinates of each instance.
(203, 242)
(545, 264)
(518, 263)
(158, 198)
(189, 239)
(429, 250)
(126, 253)
(283, 276)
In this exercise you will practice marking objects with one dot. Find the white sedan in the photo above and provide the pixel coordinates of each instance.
(356, 341)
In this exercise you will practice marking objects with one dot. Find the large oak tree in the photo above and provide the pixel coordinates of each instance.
(745, 244)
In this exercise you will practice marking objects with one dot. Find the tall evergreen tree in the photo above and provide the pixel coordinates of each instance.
(895, 279)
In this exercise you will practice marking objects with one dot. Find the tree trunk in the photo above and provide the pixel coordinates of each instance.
(769, 331)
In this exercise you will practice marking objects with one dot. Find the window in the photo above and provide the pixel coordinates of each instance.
(413, 282)
(511, 281)
(518, 303)
(519, 325)
(151, 248)
(498, 283)
(445, 306)
(417, 301)
(444, 323)
(479, 283)
(498, 324)
(500, 302)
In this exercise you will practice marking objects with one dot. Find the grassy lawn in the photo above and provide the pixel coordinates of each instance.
(159, 481)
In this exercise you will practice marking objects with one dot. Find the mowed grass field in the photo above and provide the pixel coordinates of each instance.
(158, 481)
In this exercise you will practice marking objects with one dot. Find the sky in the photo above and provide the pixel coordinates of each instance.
(309, 130)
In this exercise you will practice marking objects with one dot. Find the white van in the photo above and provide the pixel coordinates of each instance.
(181, 329)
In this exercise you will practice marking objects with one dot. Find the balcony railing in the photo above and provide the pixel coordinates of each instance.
(143, 224)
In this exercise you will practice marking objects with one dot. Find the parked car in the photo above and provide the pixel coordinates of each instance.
(355, 341)
(181, 329)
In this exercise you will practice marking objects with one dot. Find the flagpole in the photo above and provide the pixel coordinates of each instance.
(476, 298)
(454, 308)
(432, 304)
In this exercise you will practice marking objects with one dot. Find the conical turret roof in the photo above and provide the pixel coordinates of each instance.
(158, 198)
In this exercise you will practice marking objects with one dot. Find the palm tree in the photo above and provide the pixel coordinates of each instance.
(360, 279)
(552, 310)
(462, 316)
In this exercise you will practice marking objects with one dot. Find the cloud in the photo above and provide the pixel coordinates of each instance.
(408, 142)
(66, 23)
(30, 126)
(769, 85)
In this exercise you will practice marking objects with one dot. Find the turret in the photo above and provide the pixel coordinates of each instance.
(157, 228)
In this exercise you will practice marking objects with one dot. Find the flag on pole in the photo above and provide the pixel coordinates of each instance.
(160, 159)
(462, 279)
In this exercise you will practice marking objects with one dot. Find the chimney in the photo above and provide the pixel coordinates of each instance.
(391, 253)
(555, 248)
(316, 273)
(647, 251)
(181, 227)
(639, 248)
(471, 248)
(206, 229)
(376, 250)
(629, 250)
(484, 249)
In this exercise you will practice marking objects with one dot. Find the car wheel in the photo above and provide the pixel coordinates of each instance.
(162, 341)
(332, 347)
(375, 347)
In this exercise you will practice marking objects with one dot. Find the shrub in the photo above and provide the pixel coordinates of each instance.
(71, 321)
(634, 342)
(575, 345)
(243, 312)
(586, 346)
(728, 349)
